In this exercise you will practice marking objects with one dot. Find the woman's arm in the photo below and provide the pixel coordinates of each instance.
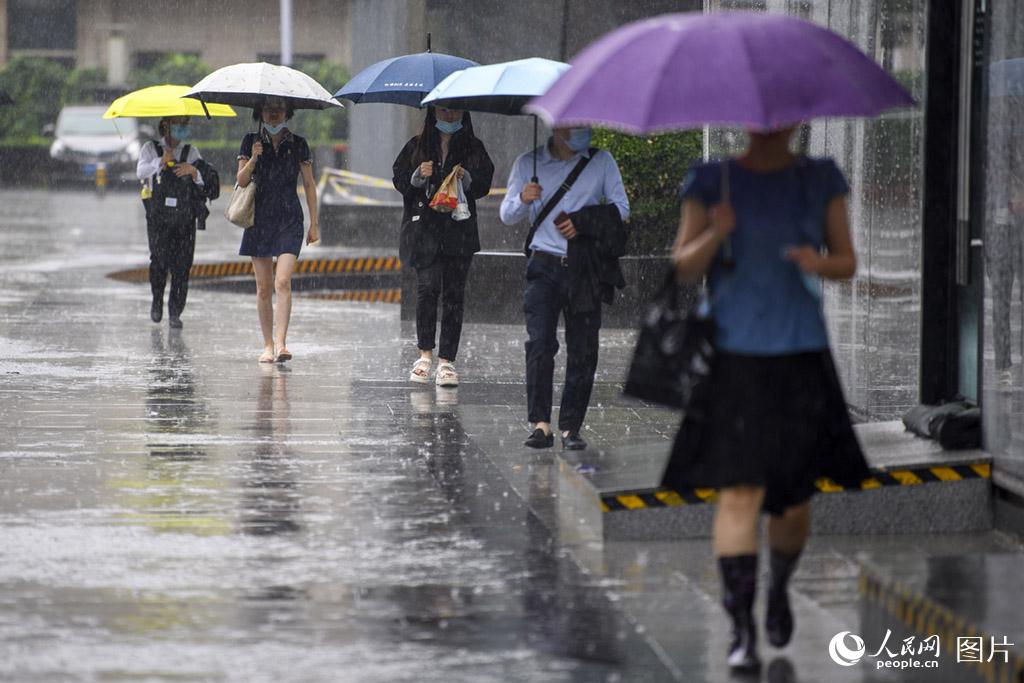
(839, 262)
(481, 173)
(247, 158)
(403, 169)
(701, 232)
(309, 185)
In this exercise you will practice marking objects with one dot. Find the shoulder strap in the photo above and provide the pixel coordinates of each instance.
(184, 153)
(566, 185)
(158, 147)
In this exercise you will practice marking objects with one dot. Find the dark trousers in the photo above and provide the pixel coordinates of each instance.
(171, 250)
(1004, 255)
(546, 297)
(444, 279)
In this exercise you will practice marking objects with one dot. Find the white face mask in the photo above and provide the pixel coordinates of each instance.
(274, 130)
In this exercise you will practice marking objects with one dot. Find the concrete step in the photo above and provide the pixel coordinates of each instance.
(969, 604)
(916, 488)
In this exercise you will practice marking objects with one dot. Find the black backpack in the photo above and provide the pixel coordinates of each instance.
(172, 203)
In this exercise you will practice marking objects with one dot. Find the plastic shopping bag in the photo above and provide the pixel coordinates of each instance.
(447, 196)
(461, 211)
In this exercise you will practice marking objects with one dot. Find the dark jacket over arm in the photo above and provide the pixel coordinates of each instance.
(594, 272)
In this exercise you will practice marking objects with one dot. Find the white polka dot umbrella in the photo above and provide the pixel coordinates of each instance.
(247, 85)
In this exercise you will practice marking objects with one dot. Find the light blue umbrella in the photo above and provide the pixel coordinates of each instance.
(498, 89)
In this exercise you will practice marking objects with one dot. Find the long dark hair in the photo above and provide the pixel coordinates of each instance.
(429, 139)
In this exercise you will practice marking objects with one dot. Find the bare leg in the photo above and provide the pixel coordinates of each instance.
(283, 289)
(264, 270)
(735, 531)
(788, 532)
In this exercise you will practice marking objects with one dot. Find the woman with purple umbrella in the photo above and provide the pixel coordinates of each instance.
(776, 419)
(764, 229)
(442, 247)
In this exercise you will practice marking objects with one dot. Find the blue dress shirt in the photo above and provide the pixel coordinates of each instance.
(599, 183)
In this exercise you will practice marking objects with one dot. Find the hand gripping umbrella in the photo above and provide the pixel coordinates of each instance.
(401, 80)
(499, 89)
(247, 85)
(678, 71)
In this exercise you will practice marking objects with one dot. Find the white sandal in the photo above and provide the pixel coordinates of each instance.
(446, 376)
(421, 371)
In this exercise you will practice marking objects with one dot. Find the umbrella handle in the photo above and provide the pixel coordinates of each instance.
(534, 178)
(205, 110)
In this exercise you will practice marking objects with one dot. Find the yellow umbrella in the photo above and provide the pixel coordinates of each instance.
(162, 100)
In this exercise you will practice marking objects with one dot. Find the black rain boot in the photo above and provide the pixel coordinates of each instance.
(739, 583)
(778, 621)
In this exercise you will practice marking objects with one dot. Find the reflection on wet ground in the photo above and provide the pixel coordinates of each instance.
(171, 510)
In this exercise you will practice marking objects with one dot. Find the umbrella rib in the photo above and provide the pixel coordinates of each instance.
(757, 85)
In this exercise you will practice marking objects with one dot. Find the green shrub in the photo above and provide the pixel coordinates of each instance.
(38, 88)
(175, 69)
(652, 169)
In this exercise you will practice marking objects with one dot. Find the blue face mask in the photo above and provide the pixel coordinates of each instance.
(181, 132)
(274, 130)
(579, 139)
(449, 128)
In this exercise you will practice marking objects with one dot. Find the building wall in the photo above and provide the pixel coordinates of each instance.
(221, 33)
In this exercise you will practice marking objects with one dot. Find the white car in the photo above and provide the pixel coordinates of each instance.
(84, 140)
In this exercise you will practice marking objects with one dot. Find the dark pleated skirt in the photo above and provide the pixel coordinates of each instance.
(779, 422)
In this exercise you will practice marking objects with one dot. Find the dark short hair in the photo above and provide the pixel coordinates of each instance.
(289, 109)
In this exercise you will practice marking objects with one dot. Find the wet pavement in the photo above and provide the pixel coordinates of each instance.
(170, 510)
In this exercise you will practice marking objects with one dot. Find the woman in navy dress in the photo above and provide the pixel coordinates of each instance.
(274, 159)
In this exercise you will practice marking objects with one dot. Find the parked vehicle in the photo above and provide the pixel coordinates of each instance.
(85, 141)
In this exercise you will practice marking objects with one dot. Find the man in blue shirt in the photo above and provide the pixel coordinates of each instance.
(572, 269)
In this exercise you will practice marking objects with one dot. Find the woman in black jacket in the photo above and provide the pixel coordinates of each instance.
(439, 247)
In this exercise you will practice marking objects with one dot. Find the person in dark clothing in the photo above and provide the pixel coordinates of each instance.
(439, 247)
(170, 170)
(572, 270)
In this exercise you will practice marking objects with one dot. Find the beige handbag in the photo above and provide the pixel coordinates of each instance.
(241, 208)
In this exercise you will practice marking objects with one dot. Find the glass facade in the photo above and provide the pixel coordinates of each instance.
(873, 319)
(1001, 167)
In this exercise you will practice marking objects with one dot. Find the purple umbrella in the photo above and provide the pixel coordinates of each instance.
(755, 70)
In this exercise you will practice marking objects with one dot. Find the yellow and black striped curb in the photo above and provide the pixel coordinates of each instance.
(667, 498)
(925, 618)
(362, 264)
(375, 296)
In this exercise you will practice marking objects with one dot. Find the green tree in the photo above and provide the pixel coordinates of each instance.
(82, 86)
(320, 127)
(38, 88)
(652, 169)
(174, 69)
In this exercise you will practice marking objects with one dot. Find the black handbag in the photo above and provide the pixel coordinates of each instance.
(675, 349)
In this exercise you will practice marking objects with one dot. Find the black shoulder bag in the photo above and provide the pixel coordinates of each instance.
(553, 200)
(676, 347)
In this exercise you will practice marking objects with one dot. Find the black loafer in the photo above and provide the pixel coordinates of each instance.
(175, 322)
(573, 442)
(538, 439)
(156, 311)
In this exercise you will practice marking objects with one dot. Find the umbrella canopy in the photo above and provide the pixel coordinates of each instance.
(5, 98)
(756, 70)
(247, 85)
(497, 88)
(1006, 78)
(401, 80)
(162, 100)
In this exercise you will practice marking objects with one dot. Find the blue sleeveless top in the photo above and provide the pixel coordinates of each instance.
(765, 305)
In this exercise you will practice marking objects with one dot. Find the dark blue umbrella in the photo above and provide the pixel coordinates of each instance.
(402, 80)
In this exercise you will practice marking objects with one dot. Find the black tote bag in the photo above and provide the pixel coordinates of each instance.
(672, 360)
